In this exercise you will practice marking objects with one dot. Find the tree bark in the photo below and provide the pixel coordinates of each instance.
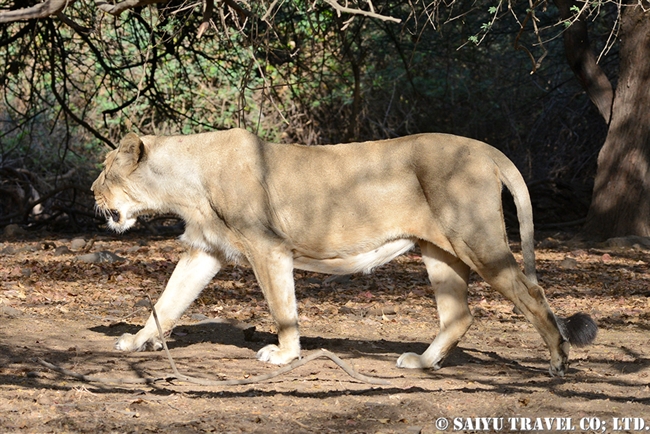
(621, 197)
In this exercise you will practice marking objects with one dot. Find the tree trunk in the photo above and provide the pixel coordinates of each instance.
(621, 197)
(582, 61)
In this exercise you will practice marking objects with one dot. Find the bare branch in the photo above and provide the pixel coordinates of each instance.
(269, 11)
(241, 12)
(41, 10)
(346, 10)
(207, 17)
(77, 27)
(120, 7)
(530, 15)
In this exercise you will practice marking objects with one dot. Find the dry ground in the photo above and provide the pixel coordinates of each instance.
(69, 312)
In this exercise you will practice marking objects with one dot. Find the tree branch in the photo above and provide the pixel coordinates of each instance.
(120, 7)
(64, 105)
(207, 17)
(345, 10)
(243, 13)
(41, 10)
(582, 60)
(76, 27)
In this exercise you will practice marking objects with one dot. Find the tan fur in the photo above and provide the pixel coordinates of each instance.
(335, 209)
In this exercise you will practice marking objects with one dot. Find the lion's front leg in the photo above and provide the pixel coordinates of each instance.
(274, 272)
(192, 273)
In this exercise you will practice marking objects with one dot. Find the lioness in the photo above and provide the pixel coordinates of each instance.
(333, 209)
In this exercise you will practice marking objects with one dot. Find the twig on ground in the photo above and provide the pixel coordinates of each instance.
(207, 382)
(89, 245)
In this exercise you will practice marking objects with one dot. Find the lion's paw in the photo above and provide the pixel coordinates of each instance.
(126, 342)
(273, 354)
(560, 362)
(129, 343)
(414, 361)
(558, 369)
(409, 361)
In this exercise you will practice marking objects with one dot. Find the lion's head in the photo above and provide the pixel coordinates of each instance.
(117, 187)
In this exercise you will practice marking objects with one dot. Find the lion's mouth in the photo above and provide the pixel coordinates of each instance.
(115, 215)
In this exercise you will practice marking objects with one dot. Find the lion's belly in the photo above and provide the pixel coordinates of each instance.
(348, 264)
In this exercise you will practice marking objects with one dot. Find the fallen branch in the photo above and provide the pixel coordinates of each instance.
(207, 382)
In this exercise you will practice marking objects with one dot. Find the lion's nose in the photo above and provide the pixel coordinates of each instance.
(115, 215)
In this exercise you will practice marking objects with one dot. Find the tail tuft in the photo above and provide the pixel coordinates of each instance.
(579, 329)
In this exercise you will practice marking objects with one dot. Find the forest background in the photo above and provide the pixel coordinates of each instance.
(530, 78)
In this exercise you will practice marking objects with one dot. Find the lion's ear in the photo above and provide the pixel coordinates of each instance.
(132, 148)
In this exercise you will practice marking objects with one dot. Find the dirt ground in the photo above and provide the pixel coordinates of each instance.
(56, 307)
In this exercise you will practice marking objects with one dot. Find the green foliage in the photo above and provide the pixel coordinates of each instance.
(305, 74)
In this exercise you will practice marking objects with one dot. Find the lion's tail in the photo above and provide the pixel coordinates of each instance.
(579, 329)
(514, 182)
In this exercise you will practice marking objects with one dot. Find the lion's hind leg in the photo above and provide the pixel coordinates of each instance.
(449, 277)
(529, 298)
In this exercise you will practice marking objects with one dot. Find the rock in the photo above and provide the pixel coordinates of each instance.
(9, 311)
(77, 244)
(100, 257)
(29, 248)
(89, 257)
(386, 310)
(9, 250)
(62, 250)
(569, 263)
(106, 256)
(13, 230)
